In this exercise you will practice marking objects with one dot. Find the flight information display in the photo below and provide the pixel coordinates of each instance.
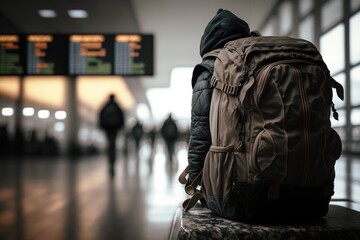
(11, 54)
(133, 55)
(90, 54)
(47, 54)
(77, 54)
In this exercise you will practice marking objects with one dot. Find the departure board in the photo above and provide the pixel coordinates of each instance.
(133, 55)
(12, 54)
(90, 54)
(47, 54)
(77, 54)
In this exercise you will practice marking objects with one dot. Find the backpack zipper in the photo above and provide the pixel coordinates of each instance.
(263, 75)
(306, 123)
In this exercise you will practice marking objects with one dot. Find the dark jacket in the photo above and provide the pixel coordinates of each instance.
(224, 27)
(111, 117)
(169, 130)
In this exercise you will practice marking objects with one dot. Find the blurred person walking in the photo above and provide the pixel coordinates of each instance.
(137, 133)
(111, 119)
(170, 133)
(152, 137)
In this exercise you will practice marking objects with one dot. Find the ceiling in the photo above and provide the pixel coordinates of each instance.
(176, 25)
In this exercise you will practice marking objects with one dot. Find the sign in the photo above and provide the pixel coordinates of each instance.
(11, 55)
(133, 55)
(47, 55)
(77, 54)
(90, 54)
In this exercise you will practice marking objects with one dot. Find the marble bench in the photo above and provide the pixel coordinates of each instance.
(199, 223)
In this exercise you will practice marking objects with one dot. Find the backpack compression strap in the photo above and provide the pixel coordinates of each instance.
(229, 89)
(216, 83)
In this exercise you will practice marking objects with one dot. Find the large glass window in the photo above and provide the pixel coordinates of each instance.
(355, 116)
(46, 91)
(306, 29)
(355, 38)
(342, 119)
(305, 6)
(286, 18)
(9, 86)
(269, 29)
(331, 13)
(332, 48)
(355, 85)
(340, 78)
(355, 4)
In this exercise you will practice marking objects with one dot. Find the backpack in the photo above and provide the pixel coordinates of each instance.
(273, 149)
(169, 130)
(111, 117)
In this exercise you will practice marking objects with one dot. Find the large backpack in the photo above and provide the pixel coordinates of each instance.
(273, 149)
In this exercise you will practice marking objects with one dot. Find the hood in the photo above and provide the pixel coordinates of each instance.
(224, 27)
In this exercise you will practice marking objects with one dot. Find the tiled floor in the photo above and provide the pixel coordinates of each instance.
(47, 198)
(60, 198)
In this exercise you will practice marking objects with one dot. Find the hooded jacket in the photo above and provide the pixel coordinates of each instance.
(223, 27)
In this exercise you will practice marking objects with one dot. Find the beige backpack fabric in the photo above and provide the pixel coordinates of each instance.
(272, 139)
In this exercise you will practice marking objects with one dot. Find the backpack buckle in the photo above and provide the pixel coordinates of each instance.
(232, 90)
(213, 81)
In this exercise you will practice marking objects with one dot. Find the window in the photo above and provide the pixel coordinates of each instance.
(355, 85)
(286, 18)
(340, 78)
(355, 5)
(269, 29)
(306, 29)
(355, 38)
(341, 122)
(167, 100)
(9, 86)
(305, 7)
(49, 91)
(355, 116)
(332, 48)
(331, 13)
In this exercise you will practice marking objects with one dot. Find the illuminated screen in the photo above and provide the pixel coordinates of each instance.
(11, 54)
(47, 55)
(90, 54)
(133, 55)
(77, 54)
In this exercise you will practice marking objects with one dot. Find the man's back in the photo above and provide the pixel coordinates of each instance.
(169, 130)
(111, 116)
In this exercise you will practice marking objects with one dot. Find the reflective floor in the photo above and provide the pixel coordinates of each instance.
(60, 198)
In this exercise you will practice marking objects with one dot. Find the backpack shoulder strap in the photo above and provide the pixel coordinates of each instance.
(205, 65)
(213, 53)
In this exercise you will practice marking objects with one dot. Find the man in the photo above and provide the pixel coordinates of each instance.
(137, 133)
(170, 134)
(224, 27)
(111, 120)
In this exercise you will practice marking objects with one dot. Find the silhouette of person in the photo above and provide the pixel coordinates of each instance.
(34, 142)
(152, 137)
(137, 133)
(4, 140)
(170, 133)
(111, 119)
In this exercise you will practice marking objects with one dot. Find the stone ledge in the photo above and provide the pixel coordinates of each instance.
(199, 223)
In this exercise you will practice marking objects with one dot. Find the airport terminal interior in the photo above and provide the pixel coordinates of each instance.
(59, 63)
